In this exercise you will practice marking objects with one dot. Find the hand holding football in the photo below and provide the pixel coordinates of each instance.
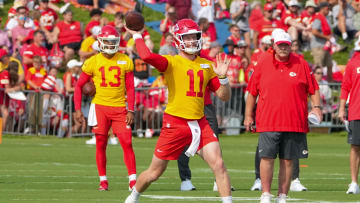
(89, 89)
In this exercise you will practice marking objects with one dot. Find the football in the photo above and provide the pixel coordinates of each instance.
(89, 89)
(134, 21)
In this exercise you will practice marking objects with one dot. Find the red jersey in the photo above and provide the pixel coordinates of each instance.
(89, 26)
(351, 85)
(265, 27)
(255, 16)
(280, 8)
(307, 19)
(34, 50)
(35, 76)
(69, 33)
(283, 89)
(48, 18)
(4, 78)
(234, 39)
(289, 16)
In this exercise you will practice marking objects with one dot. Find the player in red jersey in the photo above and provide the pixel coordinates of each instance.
(187, 76)
(112, 74)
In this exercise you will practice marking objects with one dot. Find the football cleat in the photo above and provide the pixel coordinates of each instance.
(281, 198)
(187, 186)
(257, 185)
(296, 186)
(265, 197)
(353, 188)
(104, 185)
(91, 141)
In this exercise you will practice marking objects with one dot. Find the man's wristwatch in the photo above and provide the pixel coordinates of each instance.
(319, 107)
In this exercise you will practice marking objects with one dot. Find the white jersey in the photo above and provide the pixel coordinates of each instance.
(203, 9)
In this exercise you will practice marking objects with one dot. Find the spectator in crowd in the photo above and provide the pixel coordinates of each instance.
(275, 118)
(256, 15)
(240, 13)
(168, 48)
(350, 87)
(4, 98)
(35, 49)
(95, 15)
(343, 18)
(4, 39)
(87, 45)
(182, 8)
(265, 44)
(307, 17)
(325, 92)
(280, 8)
(167, 24)
(295, 48)
(206, 39)
(5, 62)
(34, 78)
(48, 18)
(266, 25)
(235, 33)
(240, 50)
(69, 34)
(291, 20)
(70, 79)
(22, 12)
(321, 33)
(229, 46)
(118, 22)
(19, 31)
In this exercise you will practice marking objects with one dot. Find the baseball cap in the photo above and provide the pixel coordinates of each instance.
(310, 3)
(276, 32)
(73, 62)
(357, 45)
(266, 39)
(294, 3)
(215, 44)
(324, 4)
(268, 7)
(281, 38)
(229, 42)
(241, 43)
(96, 30)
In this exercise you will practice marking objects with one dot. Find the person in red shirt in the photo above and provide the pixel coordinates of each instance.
(206, 39)
(266, 25)
(48, 18)
(69, 35)
(95, 15)
(167, 24)
(307, 17)
(351, 87)
(236, 37)
(280, 8)
(35, 49)
(291, 20)
(265, 44)
(255, 15)
(282, 81)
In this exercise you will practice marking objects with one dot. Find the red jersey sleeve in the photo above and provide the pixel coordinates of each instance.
(214, 84)
(156, 60)
(347, 82)
(84, 78)
(130, 90)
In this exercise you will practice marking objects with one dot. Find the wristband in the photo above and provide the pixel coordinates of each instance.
(137, 36)
(224, 81)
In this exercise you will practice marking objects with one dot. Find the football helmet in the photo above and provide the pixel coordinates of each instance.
(109, 40)
(187, 27)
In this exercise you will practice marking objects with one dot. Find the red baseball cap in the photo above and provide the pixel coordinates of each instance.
(268, 7)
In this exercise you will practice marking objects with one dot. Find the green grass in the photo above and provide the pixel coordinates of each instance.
(47, 169)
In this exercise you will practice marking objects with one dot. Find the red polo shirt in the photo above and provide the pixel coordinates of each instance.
(283, 89)
(265, 27)
(351, 85)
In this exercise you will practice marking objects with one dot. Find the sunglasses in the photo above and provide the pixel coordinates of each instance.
(22, 18)
(319, 73)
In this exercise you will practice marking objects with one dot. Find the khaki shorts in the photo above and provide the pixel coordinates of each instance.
(321, 57)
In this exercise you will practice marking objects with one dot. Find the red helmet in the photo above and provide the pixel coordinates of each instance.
(109, 40)
(186, 27)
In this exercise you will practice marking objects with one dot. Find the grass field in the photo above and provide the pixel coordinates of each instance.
(47, 169)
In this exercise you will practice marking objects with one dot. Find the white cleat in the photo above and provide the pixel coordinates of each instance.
(257, 185)
(296, 186)
(91, 141)
(113, 141)
(353, 188)
(265, 197)
(149, 133)
(187, 186)
(215, 188)
(130, 199)
(281, 198)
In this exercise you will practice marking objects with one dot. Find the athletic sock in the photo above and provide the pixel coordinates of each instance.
(101, 143)
(102, 178)
(132, 177)
(227, 199)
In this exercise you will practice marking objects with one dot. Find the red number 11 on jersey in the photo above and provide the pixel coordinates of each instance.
(191, 92)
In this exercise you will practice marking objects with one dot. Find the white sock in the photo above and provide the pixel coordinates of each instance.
(135, 194)
(344, 36)
(132, 177)
(227, 199)
(102, 178)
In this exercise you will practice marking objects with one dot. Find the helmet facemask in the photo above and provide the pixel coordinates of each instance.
(188, 46)
(109, 45)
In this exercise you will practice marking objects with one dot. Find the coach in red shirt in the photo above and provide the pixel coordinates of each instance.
(282, 81)
(351, 85)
